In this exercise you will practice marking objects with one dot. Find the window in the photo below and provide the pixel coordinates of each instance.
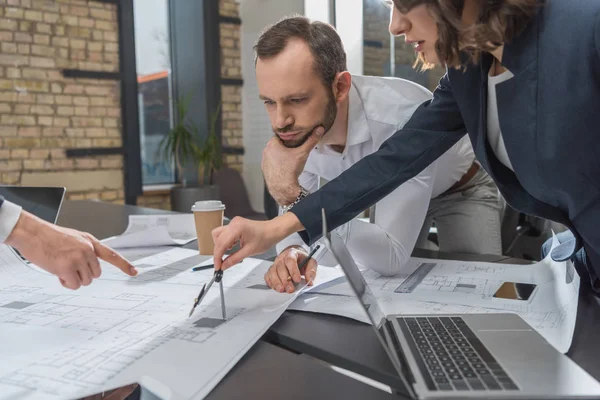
(385, 55)
(153, 64)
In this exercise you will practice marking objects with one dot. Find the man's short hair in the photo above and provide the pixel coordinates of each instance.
(322, 39)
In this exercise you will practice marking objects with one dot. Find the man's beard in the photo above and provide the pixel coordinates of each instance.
(326, 123)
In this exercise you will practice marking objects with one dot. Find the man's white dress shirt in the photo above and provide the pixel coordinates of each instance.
(9, 215)
(493, 121)
(378, 108)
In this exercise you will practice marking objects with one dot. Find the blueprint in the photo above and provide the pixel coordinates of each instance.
(136, 253)
(155, 230)
(442, 287)
(57, 343)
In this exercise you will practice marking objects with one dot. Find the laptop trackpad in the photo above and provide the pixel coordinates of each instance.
(496, 322)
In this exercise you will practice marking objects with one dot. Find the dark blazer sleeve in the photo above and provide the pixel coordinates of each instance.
(597, 36)
(433, 128)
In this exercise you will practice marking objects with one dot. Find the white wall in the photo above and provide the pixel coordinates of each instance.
(349, 24)
(319, 10)
(255, 15)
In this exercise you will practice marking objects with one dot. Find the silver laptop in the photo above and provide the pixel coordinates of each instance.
(469, 355)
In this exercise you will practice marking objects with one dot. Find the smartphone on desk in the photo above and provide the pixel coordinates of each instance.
(516, 291)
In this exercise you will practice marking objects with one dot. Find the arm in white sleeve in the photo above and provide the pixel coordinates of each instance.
(386, 245)
(310, 182)
(9, 215)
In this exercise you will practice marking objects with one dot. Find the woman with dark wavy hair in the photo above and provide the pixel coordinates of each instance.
(523, 81)
(458, 26)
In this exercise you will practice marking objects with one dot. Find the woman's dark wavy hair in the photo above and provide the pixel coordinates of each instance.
(499, 21)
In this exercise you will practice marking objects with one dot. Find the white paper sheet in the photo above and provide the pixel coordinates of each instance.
(134, 254)
(121, 330)
(155, 230)
(463, 287)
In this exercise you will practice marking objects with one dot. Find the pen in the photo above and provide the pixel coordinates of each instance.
(312, 253)
(203, 267)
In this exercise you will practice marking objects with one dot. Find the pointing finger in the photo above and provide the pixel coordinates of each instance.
(109, 255)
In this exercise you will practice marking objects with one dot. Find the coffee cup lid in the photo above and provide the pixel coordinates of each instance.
(208, 205)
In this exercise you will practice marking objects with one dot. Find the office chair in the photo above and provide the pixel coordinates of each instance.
(235, 196)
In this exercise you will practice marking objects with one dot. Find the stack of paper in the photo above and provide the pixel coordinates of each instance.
(58, 343)
(155, 230)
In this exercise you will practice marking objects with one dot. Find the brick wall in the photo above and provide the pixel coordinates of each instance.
(160, 199)
(42, 113)
(231, 95)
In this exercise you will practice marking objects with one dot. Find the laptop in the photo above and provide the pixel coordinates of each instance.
(466, 356)
(43, 202)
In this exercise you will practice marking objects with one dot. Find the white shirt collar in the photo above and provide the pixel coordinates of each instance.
(358, 128)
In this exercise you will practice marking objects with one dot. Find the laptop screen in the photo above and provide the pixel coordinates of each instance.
(43, 202)
(367, 299)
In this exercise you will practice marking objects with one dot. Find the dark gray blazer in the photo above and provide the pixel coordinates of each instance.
(550, 120)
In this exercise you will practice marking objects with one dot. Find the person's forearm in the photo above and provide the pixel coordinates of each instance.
(375, 249)
(369, 180)
(292, 240)
(285, 225)
(24, 230)
(284, 193)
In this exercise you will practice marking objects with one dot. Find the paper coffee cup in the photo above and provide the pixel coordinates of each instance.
(208, 215)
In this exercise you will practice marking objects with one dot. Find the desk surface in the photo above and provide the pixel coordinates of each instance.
(271, 372)
(318, 335)
(360, 350)
(266, 371)
(99, 218)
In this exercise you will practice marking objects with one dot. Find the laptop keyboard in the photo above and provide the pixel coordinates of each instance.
(452, 357)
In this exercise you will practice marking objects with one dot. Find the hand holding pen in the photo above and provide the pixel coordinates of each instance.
(286, 271)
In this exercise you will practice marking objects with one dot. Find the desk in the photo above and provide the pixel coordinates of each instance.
(266, 371)
(318, 334)
(270, 372)
(360, 350)
(99, 218)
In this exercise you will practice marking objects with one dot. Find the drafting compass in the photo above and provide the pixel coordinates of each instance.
(217, 277)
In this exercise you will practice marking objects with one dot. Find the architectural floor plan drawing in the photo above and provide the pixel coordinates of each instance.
(58, 343)
(448, 287)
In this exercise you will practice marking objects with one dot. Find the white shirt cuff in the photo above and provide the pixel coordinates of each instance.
(9, 215)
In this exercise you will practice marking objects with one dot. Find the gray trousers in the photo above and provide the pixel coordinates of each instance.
(468, 219)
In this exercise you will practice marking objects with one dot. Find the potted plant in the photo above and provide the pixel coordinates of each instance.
(210, 157)
(183, 145)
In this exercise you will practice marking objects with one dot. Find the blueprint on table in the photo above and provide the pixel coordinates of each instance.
(443, 287)
(155, 230)
(57, 343)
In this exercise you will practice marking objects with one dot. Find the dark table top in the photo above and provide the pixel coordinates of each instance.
(99, 218)
(318, 335)
(270, 372)
(266, 371)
